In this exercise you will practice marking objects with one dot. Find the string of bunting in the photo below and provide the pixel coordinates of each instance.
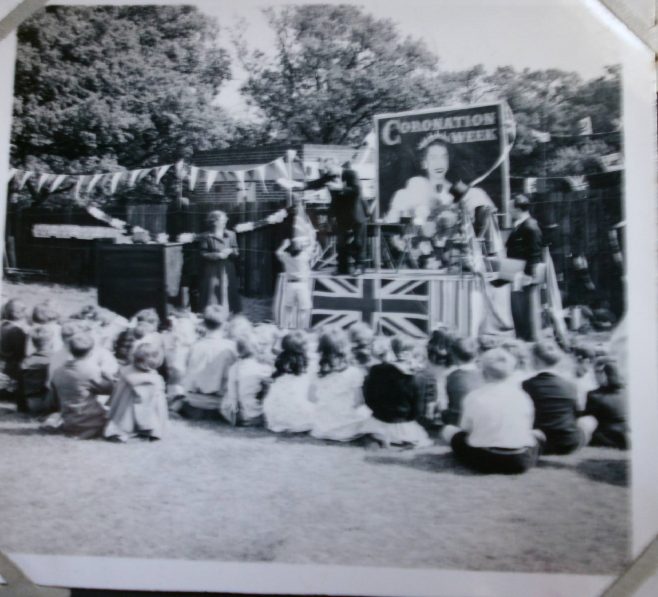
(281, 167)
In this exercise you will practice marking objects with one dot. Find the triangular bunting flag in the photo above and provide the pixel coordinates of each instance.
(23, 180)
(211, 175)
(43, 178)
(239, 174)
(260, 172)
(179, 168)
(194, 171)
(78, 186)
(160, 172)
(93, 182)
(116, 177)
(12, 171)
(280, 165)
(59, 179)
(133, 176)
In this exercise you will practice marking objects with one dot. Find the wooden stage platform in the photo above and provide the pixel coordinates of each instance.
(408, 302)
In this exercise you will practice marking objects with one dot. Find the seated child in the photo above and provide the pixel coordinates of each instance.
(43, 315)
(248, 379)
(362, 337)
(208, 363)
(609, 405)
(495, 433)
(33, 383)
(337, 391)
(13, 342)
(287, 406)
(138, 405)
(74, 389)
(556, 403)
(392, 394)
(462, 380)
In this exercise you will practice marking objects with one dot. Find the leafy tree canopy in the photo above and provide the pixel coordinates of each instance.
(335, 67)
(129, 86)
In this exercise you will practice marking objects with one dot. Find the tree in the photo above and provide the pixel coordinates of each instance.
(335, 67)
(106, 88)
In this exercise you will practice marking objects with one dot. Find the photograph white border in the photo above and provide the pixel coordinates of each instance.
(639, 118)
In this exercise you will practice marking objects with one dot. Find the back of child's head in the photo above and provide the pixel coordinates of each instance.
(147, 356)
(497, 364)
(402, 347)
(487, 342)
(80, 344)
(123, 344)
(292, 358)
(238, 326)
(43, 313)
(265, 338)
(214, 317)
(13, 310)
(334, 350)
(464, 350)
(143, 329)
(149, 316)
(546, 354)
(361, 336)
(519, 350)
(68, 330)
(438, 347)
(42, 338)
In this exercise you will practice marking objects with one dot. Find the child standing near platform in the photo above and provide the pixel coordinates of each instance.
(295, 257)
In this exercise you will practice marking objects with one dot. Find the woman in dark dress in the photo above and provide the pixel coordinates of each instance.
(219, 254)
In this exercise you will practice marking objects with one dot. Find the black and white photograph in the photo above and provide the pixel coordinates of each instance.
(334, 298)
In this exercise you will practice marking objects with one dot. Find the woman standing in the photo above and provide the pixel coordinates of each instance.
(219, 253)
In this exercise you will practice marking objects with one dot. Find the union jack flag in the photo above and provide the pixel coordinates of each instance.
(393, 306)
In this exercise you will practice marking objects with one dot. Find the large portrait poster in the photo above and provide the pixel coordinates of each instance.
(422, 154)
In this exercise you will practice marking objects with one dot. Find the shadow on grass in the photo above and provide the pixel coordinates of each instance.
(604, 470)
(433, 463)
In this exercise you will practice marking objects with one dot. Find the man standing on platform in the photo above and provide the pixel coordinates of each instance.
(525, 243)
(351, 213)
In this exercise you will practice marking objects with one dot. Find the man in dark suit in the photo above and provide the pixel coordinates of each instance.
(556, 404)
(525, 243)
(350, 211)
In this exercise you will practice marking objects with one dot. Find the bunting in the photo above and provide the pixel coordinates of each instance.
(260, 172)
(585, 126)
(114, 181)
(93, 182)
(134, 175)
(194, 171)
(58, 180)
(43, 178)
(21, 184)
(12, 171)
(239, 175)
(577, 183)
(540, 136)
(78, 186)
(179, 168)
(160, 172)
(280, 165)
(529, 185)
(211, 175)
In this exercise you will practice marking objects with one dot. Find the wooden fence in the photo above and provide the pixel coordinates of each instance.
(575, 224)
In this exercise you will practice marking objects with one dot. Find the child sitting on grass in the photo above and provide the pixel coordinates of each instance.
(392, 393)
(138, 405)
(287, 406)
(33, 381)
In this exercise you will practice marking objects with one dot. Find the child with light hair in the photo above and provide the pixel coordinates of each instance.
(33, 381)
(336, 390)
(248, 379)
(138, 404)
(495, 433)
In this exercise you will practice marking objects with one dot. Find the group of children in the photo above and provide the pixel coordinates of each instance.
(498, 402)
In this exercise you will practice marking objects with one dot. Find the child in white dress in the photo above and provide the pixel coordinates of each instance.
(287, 406)
(337, 391)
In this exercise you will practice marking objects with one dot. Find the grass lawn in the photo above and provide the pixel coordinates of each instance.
(208, 491)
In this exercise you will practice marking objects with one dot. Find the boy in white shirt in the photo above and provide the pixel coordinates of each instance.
(295, 256)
